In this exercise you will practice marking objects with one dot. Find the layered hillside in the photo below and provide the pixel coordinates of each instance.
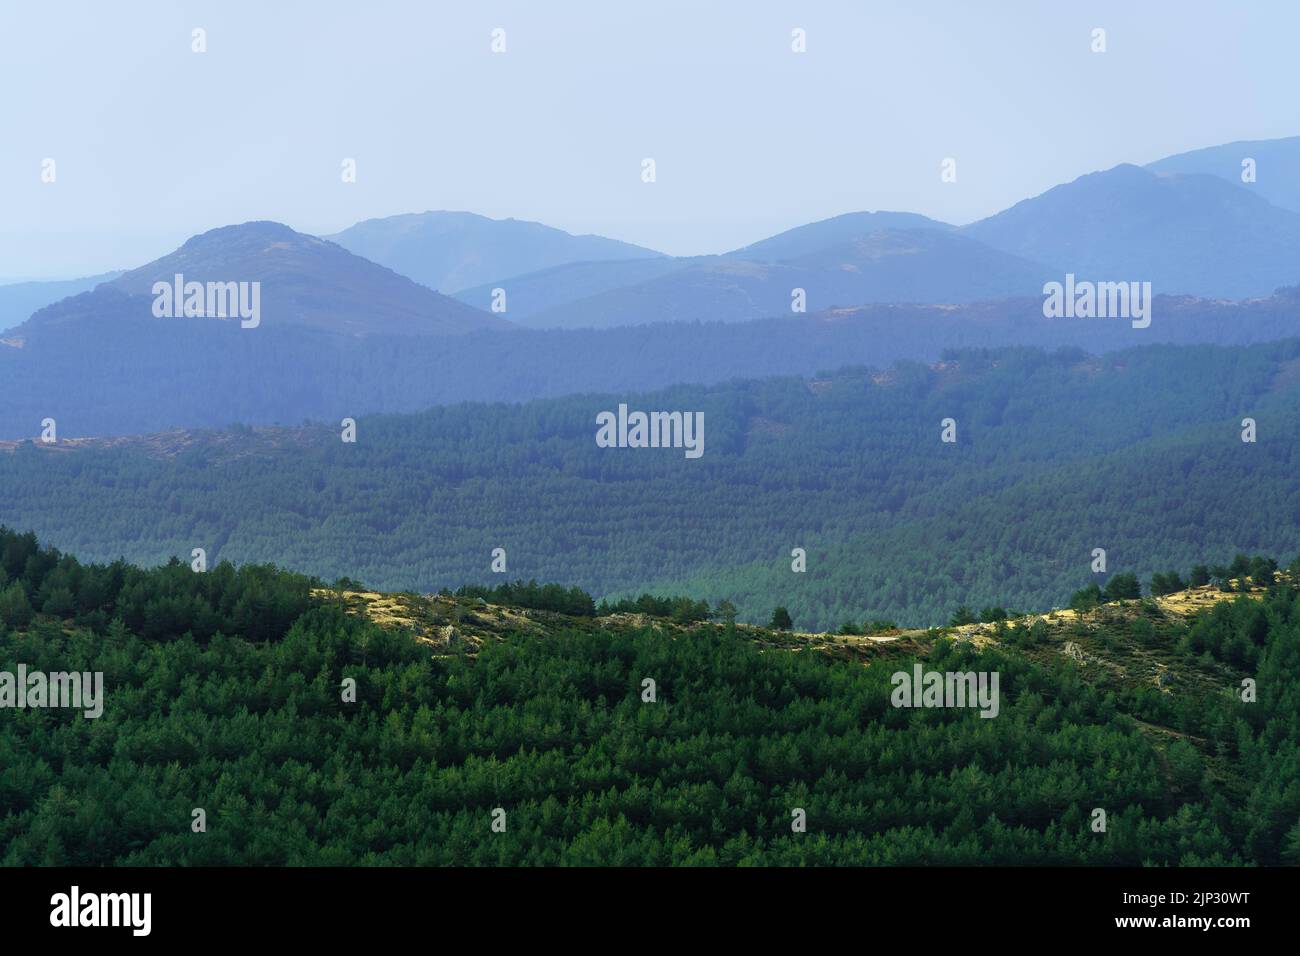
(1056, 454)
(306, 723)
(887, 265)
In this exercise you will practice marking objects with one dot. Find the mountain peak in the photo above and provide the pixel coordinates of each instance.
(247, 239)
(815, 236)
(256, 229)
(302, 280)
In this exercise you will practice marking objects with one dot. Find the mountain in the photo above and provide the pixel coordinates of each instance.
(20, 299)
(1192, 234)
(304, 283)
(1056, 454)
(1277, 167)
(452, 251)
(890, 265)
(603, 294)
(1188, 233)
(816, 236)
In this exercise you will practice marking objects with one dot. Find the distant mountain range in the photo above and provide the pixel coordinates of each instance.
(1175, 224)
(1185, 233)
(888, 265)
(340, 334)
(1188, 224)
(451, 251)
(100, 363)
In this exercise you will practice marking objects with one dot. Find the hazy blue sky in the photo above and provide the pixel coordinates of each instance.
(154, 143)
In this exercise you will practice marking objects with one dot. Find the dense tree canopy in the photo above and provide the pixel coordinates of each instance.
(243, 716)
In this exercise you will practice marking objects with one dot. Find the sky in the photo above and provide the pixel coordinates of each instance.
(153, 142)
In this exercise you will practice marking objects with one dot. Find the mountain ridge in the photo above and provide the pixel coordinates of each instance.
(1276, 168)
(1191, 234)
(454, 251)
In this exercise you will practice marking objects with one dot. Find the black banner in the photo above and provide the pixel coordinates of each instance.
(337, 905)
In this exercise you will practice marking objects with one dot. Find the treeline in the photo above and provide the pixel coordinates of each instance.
(259, 603)
(683, 610)
(989, 615)
(554, 731)
(541, 597)
(578, 603)
(1243, 573)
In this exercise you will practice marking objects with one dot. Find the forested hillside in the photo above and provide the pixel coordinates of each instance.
(115, 371)
(244, 717)
(1138, 452)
